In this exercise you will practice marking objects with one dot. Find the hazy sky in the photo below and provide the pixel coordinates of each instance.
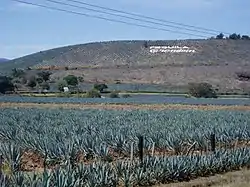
(27, 29)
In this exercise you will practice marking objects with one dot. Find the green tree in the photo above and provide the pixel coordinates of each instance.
(100, 87)
(32, 82)
(235, 36)
(93, 94)
(220, 36)
(245, 37)
(71, 80)
(6, 84)
(202, 90)
(45, 75)
(39, 80)
(114, 95)
(61, 84)
(80, 79)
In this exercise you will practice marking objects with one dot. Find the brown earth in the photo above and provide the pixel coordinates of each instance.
(122, 106)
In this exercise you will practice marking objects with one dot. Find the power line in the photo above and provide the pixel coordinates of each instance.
(127, 17)
(108, 19)
(148, 17)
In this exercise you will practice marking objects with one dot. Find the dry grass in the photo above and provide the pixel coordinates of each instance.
(122, 106)
(230, 179)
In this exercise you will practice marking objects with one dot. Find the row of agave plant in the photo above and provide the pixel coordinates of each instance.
(60, 134)
(153, 170)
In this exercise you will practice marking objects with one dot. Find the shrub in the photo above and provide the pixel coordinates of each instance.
(235, 36)
(126, 96)
(80, 79)
(5, 84)
(243, 76)
(93, 94)
(71, 80)
(32, 82)
(114, 95)
(220, 36)
(100, 87)
(45, 86)
(45, 75)
(61, 84)
(202, 90)
(245, 37)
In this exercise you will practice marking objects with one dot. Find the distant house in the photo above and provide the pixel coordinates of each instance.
(66, 89)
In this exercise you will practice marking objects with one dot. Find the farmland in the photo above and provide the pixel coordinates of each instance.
(96, 147)
(137, 99)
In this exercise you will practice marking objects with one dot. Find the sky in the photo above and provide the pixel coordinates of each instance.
(26, 29)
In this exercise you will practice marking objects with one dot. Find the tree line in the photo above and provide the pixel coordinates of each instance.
(233, 36)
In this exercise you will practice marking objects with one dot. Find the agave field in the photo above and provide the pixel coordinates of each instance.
(135, 99)
(99, 148)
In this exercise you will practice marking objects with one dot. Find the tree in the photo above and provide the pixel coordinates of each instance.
(245, 37)
(6, 84)
(17, 72)
(39, 80)
(235, 36)
(45, 75)
(114, 95)
(202, 90)
(32, 82)
(80, 79)
(220, 36)
(61, 84)
(100, 87)
(45, 86)
(145, 44)
(71, 80)
(93, 94)
(243, 76)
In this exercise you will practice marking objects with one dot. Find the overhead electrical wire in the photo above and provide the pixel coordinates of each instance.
(147, 17)
(108, 19)
(127, 17)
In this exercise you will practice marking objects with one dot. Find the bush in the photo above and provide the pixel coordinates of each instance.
(220, 36)
(80, 79)
(126, 96)
(100, 87)
(114, 95)
(243, 76)
(45, 75)
(32, 82)
(5, 84)
(61, 84)
(71, 80)
(45, 86)
(235, 36)
(245, 37)
(93, 94)
(202, 90)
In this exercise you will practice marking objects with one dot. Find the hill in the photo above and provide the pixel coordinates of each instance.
(213, 61)
(3, 60)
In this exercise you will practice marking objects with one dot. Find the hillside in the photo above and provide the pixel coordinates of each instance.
(214, 61)
(3, 60)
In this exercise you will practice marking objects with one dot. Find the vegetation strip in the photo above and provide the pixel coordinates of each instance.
(122, 106)
(49, 141)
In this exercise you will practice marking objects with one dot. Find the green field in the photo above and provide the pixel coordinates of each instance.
(100, 147)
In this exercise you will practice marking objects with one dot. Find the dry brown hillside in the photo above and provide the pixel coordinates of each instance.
(215, 61)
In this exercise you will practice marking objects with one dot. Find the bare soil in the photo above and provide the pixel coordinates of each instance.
(122, 106)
